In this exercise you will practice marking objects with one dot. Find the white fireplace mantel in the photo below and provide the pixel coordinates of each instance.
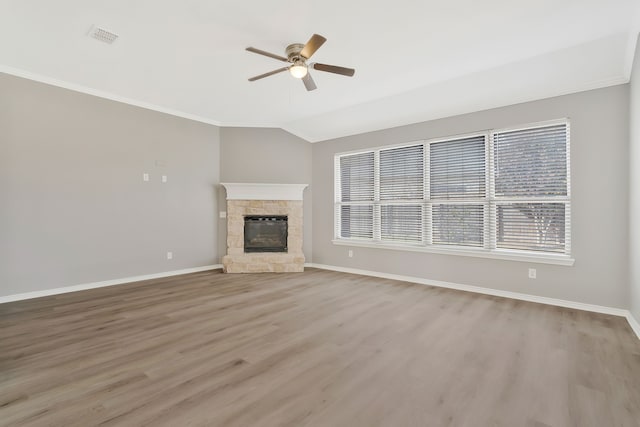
(242, 191)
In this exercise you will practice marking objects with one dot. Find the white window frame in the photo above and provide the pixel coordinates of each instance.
(489, 249)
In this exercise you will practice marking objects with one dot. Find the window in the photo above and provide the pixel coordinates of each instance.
(500, 192)
(531, 189)
(401, 193)
(458, 191)
(357, 194)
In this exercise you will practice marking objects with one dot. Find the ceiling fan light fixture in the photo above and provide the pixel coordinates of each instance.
(298, 69)
(297, 55)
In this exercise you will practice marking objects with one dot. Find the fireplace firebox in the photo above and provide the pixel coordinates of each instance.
(265, 233)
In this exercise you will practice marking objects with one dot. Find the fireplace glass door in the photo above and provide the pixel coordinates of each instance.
(265, 233)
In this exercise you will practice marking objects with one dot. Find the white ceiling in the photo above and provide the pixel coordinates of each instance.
(414, 60)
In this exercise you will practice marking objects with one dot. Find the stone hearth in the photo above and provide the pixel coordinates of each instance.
(263, 199)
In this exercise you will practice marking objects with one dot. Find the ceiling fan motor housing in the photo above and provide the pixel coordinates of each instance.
(293, 52)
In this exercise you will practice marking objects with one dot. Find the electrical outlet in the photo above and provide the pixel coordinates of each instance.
(164, 178)
(350, 253)
(223, 214)
(532, 273)
(169, 255)
(145, 177)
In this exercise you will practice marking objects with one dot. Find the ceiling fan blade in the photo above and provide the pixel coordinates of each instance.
(334, 69)
(269, 54)
(312, 45)
(270, 73)
(309, 83)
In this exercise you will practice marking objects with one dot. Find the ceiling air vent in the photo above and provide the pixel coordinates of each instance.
(102, 34)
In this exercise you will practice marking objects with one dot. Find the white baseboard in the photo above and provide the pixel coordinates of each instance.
(480, 290)
(94, 285)
(634, 324)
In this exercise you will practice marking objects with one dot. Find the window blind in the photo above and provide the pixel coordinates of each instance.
(401, 187)
(531, 226)
(457, 174)
(531, 189)
(531, 162)
(356, 177)
(458, 168)
(401, 223)
(356, 195)
(460, 225)
(356, 221)
(402, 173)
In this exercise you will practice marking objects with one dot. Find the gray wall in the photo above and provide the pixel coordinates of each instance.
(75, 210)
(73, 206)
(265, 155)
(599, 174)
(634, 180)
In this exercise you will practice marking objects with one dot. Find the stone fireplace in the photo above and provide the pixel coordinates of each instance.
(275, 210)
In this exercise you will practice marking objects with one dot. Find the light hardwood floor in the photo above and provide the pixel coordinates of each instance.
(317, 348)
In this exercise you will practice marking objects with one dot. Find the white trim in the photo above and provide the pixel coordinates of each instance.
(103, 94)
(635, 326)
(102, 284)
(508, 255)
(249, 191)
(567, 206)
(480, 290)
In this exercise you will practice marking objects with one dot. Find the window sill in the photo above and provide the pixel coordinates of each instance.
(479, 253)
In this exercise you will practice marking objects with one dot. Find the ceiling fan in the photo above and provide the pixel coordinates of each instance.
(297, 56)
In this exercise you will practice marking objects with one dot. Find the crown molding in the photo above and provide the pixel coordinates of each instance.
(104, 94)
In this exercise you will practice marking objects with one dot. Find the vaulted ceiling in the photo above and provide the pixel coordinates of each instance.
(414, 60)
